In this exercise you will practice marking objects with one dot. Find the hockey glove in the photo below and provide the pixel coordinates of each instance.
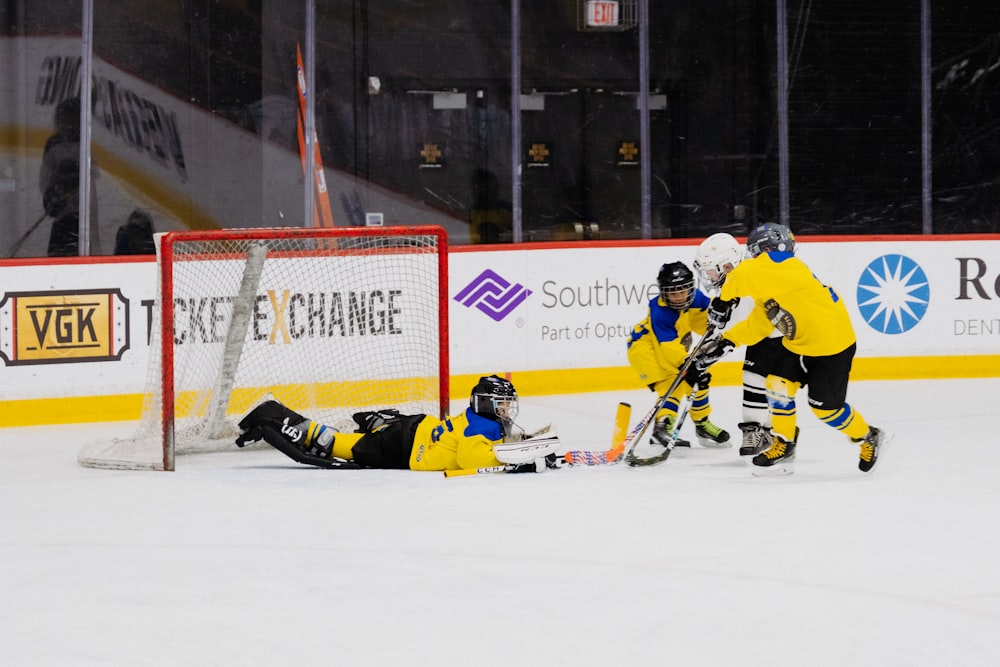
(541, 464)
(553, 461)
(719, 312)
(711, 353)
(698, 377)
(375, 421)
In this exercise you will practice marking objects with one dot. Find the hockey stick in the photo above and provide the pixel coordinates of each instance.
(622, 450)
(636, 461)
(572, 457)
(490, 470)
(592, 458)
(650, 417)
(534, 447)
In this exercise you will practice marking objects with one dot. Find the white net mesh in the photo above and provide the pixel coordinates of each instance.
(328, 321)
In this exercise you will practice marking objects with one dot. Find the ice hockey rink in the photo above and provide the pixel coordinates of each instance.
(246, 558)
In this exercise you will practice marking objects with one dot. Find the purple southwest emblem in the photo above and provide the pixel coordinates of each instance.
(493, 295)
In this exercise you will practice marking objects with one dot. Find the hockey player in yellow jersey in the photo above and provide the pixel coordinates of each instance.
(658, 346)
(716, 255)
(818, 344)
(482, 436)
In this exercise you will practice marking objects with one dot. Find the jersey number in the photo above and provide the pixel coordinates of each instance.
(439, 430)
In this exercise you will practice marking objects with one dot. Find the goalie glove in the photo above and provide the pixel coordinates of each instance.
(526, 451)
(719, 312)
(711, 353)
(518, 434)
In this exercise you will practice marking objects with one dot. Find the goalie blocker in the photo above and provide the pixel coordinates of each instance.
(483, 436)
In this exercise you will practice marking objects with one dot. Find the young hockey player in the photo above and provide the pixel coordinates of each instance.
(818, 345)
(717, 255)
(485, 435)
(658, 346)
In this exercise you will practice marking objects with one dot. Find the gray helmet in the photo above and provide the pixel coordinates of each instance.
(770, 236)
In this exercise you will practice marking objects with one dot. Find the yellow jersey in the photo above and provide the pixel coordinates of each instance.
(811, 316)
(460, 442)
(659, 344)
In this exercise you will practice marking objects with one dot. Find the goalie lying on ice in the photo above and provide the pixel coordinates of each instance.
(484, 435)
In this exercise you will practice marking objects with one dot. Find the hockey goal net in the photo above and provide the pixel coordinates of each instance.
(329, 321)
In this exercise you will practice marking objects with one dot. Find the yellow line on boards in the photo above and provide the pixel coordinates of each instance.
(126, 407)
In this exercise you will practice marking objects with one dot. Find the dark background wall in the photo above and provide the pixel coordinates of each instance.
(854, 109)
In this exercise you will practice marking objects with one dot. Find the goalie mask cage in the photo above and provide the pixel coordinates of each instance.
(329, 321)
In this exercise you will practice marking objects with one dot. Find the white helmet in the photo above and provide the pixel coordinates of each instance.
(717, 255)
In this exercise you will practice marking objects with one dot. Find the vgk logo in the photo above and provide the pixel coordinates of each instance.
(63, 327)
(493, 294)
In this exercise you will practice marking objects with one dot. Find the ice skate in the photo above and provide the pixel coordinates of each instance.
(872, 446)
(661, 434)
(778, 459)
(756, 438)
(710, 435)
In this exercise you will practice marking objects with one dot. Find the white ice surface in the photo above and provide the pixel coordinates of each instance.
(246, 558)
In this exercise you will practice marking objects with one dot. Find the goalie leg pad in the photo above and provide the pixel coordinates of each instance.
(269, 411)
(274, 437)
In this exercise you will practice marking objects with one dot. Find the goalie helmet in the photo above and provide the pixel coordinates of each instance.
(676, 285)
(716, 256)
(770, 236)
(494, 397)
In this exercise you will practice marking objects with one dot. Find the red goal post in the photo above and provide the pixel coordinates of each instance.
(329, 321)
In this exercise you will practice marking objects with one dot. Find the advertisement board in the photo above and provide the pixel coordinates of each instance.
(574, 307)
(555, 318)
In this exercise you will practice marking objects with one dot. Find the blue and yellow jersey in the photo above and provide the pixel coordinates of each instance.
(659, 344)
(811, 316)
(460, 442)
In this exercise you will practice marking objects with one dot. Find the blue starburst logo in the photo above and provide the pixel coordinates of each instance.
(893, 294)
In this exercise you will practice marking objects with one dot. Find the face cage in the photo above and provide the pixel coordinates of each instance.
(505, 408)
(687, 290)
(710, 276)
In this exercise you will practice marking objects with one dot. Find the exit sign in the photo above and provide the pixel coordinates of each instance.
(602, 13)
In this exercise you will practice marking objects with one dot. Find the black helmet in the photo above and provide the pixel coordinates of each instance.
(676, 278)
(770, 236)
(494, 397)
